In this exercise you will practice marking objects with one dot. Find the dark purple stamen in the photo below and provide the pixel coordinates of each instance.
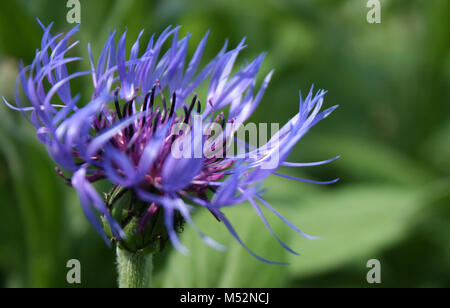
(116, 104)
(199, 107)
(130, 108)
(174, 102)
(125, 109)
(130, 113)
(186, 115)
(172, 107)
(152, 98)
(194, 100)
(155, 125)
(188, 112)
(144, 108)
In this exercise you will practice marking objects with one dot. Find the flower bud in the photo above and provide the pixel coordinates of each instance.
(142, 223)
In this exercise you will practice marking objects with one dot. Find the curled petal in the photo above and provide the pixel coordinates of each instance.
(233, 232)
(89, 198)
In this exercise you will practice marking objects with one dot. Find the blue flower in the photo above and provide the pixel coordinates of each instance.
(123, 133)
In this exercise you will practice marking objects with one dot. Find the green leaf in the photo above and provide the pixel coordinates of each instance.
(437, 149)
(38, 201)
(11, 245)
(366, 160)
(235, 267)
(353, 224)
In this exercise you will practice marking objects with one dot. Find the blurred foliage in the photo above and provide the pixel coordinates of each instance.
(393, 130)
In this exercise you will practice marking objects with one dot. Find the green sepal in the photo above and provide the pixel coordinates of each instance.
(128, 211)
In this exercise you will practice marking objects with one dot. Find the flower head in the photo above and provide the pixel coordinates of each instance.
(124, 134)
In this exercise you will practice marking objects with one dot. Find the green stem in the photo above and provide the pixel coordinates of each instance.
(134, 269)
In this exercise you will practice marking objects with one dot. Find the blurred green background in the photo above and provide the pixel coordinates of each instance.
(392, 129)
